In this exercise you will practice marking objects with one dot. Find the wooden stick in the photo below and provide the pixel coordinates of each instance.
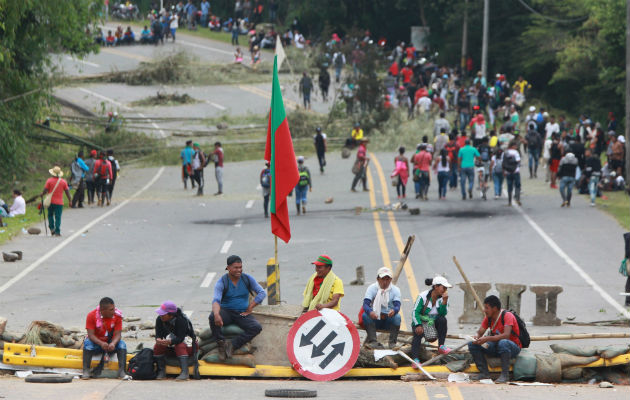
(461, 271)
(403, 258)
(441, 356)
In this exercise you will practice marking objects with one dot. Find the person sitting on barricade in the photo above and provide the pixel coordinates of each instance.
(324, 289)
(172, 328)
(381, 309)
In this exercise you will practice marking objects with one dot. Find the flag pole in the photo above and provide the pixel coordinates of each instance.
(275, 249)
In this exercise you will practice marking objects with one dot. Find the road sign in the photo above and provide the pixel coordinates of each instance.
(323, 345)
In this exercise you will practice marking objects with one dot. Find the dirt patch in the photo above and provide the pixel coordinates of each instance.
(165, 99)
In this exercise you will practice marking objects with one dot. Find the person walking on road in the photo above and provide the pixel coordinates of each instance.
(304, 185)
(534, 144)
(320, 148)
(89, 177)
(592, 172)
(566, 172)
(115, 171)
(422, 171)
(103, 177)
(56, 187)
(381, 309)
(186, 156)
(467, 156)
(265, 183)
(198, 164)
(217, 157)
(401, 170)
(441, 167)
(306, 85)
(324, 289)
(453, 150)
(512, 171)
(496, 167)
(78, 168)
(360, 166)
(324, 83)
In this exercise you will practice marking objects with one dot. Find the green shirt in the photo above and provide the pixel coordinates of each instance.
(467, 154)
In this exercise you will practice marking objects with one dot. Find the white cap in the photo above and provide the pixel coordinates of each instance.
(384, 271)
(440, 280)
(545, 114)
(532, 109)
(622, 139)
(300, 159)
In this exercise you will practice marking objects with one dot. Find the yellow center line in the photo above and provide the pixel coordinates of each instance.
(125, 54)
(411, 277)
(420, 391)
(378, 227)
(454, 392)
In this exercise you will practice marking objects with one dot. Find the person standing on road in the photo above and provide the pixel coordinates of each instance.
(512, 171)
(360, 166)
(320, 148)
(265, 183)
(89, 177)
(78, 169)
(466, 157)
(401, 170)
(115, 172)
(173, 25)
(555, 151)
(429, 316)
(198, 164)
(231, 305)
(482, 165)
(339, 60)
(592, 172)
(566, 171)
(534, 143)
(324, 289)
(56, 186)
(217, 157)
(186, 156)
(441, 167)
(324, 83)
(304, 185)
(381, 308)
(496, 166)
(422, 171)
(103, 177)
(503, 340)
(104, 329)
(172, 327)
(306, 85)
(452, 149)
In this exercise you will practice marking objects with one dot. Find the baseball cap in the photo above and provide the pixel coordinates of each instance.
(323, 260)
(93, 152)
(440, 280)
(532, 109)
(166, 307)
(300, 159)
(622, 139)
(384, 271)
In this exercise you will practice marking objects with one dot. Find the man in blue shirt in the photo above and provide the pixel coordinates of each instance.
(231, 305)
(78, 169)
(466, 157)
(381, 309)
(187, 155)
(205, 10)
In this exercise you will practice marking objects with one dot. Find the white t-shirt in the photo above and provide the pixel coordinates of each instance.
(174, 23)
(551, 129)
(515, 154)
(299, 41)
(440, 167)
(547, 149)
(425, 103)
(18, 207)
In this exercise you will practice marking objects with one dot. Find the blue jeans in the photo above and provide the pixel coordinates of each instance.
(467, 173)
(300, 194)
(566, 187)
(453, 175)
(514, 183)
(422, 185)
(91, 346)
(442, 182)
(464, 119)
(384, 324)
(592, 187)
(495, 349)
(534, 157)
(498, 183)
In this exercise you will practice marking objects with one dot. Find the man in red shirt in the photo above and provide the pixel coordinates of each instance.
(218, 166)
(104, 327)
(503, 339)
(360, 166)
(407, 74)
(421, 171)
(102, 177)
(56, 186)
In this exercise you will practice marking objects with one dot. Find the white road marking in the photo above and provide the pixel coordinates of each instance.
(153, 124)
(219, 106)
(77, 234)
(91, 64)
(208, 279)
(250, 204)
(199, 46)
(189, 313)
(100, 96)
(239, 223)
(554, 246)
(226, 246)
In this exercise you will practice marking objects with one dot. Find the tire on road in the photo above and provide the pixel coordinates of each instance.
(49, 378)
(290, 393)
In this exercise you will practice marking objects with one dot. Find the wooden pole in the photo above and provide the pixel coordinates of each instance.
(403, 258)
(461, 271)
(275, 249)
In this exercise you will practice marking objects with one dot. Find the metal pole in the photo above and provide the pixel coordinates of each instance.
(484, 47)
(627, 122)
(465, 37)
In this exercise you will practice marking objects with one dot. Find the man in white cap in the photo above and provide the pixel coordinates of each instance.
(381, 309)
(55, 187)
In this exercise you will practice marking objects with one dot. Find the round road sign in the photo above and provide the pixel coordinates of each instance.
(323, 345)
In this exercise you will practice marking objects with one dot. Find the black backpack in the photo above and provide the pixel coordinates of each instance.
(523, 335)
(142, 366)
(484, 151)
(509, 163)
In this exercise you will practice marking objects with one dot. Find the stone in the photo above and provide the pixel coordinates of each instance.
(147, 325)
(329, 200)
(360, 277)
(510, 295)
(546, 304)
(18, 253)
(34, 231)
(606, 385)
(414, 211)
(222, 125)
(473, 312)
(9, 257)
(3, 325)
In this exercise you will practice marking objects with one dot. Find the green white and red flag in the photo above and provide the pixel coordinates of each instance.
(282, 165)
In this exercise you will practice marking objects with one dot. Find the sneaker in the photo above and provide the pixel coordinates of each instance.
(564, 204)
(496, 197)
(553, 186)
(444, 350)
(518, 202)
(592, 204)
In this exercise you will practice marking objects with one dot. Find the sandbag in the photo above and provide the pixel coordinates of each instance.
(247, 348)
(582, 351)
(208, 347)
(548, 368)
(205, 334)
(572, 373)
(11, 336)
(246, 360)
(525, 366)
(614, 351)
(232, 330)
(459, 365)
(568, 360)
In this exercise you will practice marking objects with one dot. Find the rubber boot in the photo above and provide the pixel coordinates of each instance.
(297, 206)
(183, 363)
(393, 336)
(221, 349)
(371, 342)
(161, 366)
(121, 354)
(505, 368)
(482, 365)
(87, 360)
(531, 173)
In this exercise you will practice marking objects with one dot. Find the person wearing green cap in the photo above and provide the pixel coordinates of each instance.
(324, 289)
(198, 162)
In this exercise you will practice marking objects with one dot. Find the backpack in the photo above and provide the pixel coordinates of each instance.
(451, 150)
(509, 163)
(265, 180)
(485, 153)
(142, 366)
(303, 178)
(498, 164)
(226, 286)
(523, 335)
(76, 171)
(339, 60)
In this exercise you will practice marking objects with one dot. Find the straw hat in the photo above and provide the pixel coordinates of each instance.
(56, 171)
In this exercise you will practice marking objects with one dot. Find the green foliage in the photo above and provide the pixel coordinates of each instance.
(29, 32)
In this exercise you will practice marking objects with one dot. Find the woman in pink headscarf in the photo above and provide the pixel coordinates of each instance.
(401, 173)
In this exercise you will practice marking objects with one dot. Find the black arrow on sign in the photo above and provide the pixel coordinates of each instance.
(305, 340)
(319, 349)
(337, 350)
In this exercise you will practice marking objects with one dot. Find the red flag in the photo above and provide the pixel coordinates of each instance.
(279, 152)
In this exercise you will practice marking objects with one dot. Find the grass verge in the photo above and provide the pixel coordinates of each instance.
(617, 205)
(15, 225)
